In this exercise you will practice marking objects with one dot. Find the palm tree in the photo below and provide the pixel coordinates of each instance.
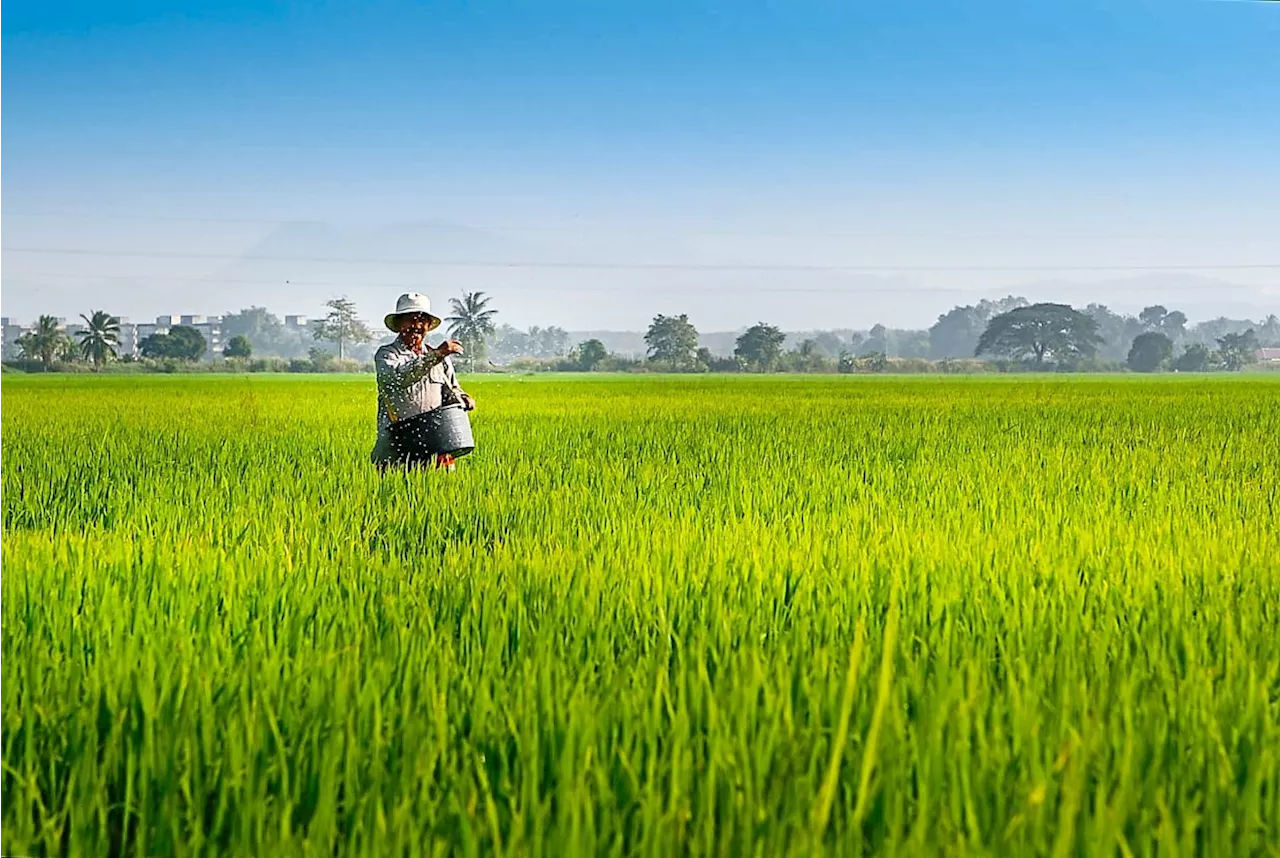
(99, 340)
(471, 322)
(43, 342)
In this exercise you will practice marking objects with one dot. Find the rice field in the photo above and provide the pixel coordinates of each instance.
(649, 616)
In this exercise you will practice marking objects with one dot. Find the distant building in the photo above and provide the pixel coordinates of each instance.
(11, 334)
(127, 339)
(132, 334)
(210, 327)
(1268, 355)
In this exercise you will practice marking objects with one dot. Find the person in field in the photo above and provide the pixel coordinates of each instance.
(414, 377)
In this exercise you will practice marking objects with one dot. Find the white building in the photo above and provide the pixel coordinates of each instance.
(132, 334)
(210, 327)
(11, 334)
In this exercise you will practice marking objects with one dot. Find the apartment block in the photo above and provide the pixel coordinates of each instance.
(132, 334)
(11, 334)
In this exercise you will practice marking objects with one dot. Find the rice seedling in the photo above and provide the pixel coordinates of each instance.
(649, 616)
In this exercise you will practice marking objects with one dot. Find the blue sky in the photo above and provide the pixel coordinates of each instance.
(944, 135)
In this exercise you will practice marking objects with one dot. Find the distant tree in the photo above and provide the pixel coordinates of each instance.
(154, 346)
(759, 346)
(1040, 332)
(1157, 318)
(265, 332)
(186, 343)
(1210, 330)
(1152, 317)
(873, 362)
(548, 342)
(909, 343)
(471, 323)
(832, 343)
(808, 356)
(1269, 331)
(238, 347)
(956, 333)
(1238, 350)
(100, 337)
(1150, 352)
(673, 340)
(510, 342)
(180, 343)
(1174, 324)
(68, 351)
(257, 324)
(877, 341)
(708, 360)
(341, 326)
(1115, 330)
(588, 355)
(321, 360)
(1196, 358)
(44, 342)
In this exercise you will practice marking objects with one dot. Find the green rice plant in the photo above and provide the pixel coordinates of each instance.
(648, 616)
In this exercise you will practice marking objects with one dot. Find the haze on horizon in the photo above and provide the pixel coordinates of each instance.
(589, 165)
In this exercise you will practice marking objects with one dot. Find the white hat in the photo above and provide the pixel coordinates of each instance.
(412, 302)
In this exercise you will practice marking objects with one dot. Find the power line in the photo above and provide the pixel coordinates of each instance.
(901, 289)
(347, 284)
(637, 266)
(596, 228)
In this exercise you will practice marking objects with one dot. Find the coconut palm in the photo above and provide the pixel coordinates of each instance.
(471, 322)
(100, 337)
(44, 342)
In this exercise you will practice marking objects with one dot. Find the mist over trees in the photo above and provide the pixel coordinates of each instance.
(956, 333)
(180, 343)
(1151, 351)
(342, 326)
(673, 342)
(992, 335)
(760, 347)
(1041, 333)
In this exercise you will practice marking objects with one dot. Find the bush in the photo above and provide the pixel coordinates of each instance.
(1093, 364)
(910, 365)
(268, 364)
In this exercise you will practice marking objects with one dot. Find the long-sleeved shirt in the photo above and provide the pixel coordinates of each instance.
(409, 383)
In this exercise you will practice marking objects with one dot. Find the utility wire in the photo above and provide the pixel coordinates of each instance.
(632, 266)
(589, 227)
(901, 289)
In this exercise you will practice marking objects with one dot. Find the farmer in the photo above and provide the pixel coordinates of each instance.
(414, 377)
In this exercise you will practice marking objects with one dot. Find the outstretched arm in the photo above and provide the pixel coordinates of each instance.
(451, 379)
(400, 370)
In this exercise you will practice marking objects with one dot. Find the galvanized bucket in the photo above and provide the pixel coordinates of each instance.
(442, 431)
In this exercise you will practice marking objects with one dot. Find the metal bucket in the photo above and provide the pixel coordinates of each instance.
(445, 430)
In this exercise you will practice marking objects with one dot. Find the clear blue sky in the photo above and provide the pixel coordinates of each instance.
(941, 134)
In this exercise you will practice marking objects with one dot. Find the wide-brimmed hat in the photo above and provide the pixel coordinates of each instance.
(408, 304)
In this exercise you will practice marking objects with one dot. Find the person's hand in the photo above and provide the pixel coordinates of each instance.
(468, 404)
(449, 347)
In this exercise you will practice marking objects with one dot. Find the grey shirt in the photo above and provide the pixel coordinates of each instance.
(409, 383)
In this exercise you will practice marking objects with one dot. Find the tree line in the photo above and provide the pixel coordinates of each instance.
(247, 333)
(1008, 333)
(1034, 336)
